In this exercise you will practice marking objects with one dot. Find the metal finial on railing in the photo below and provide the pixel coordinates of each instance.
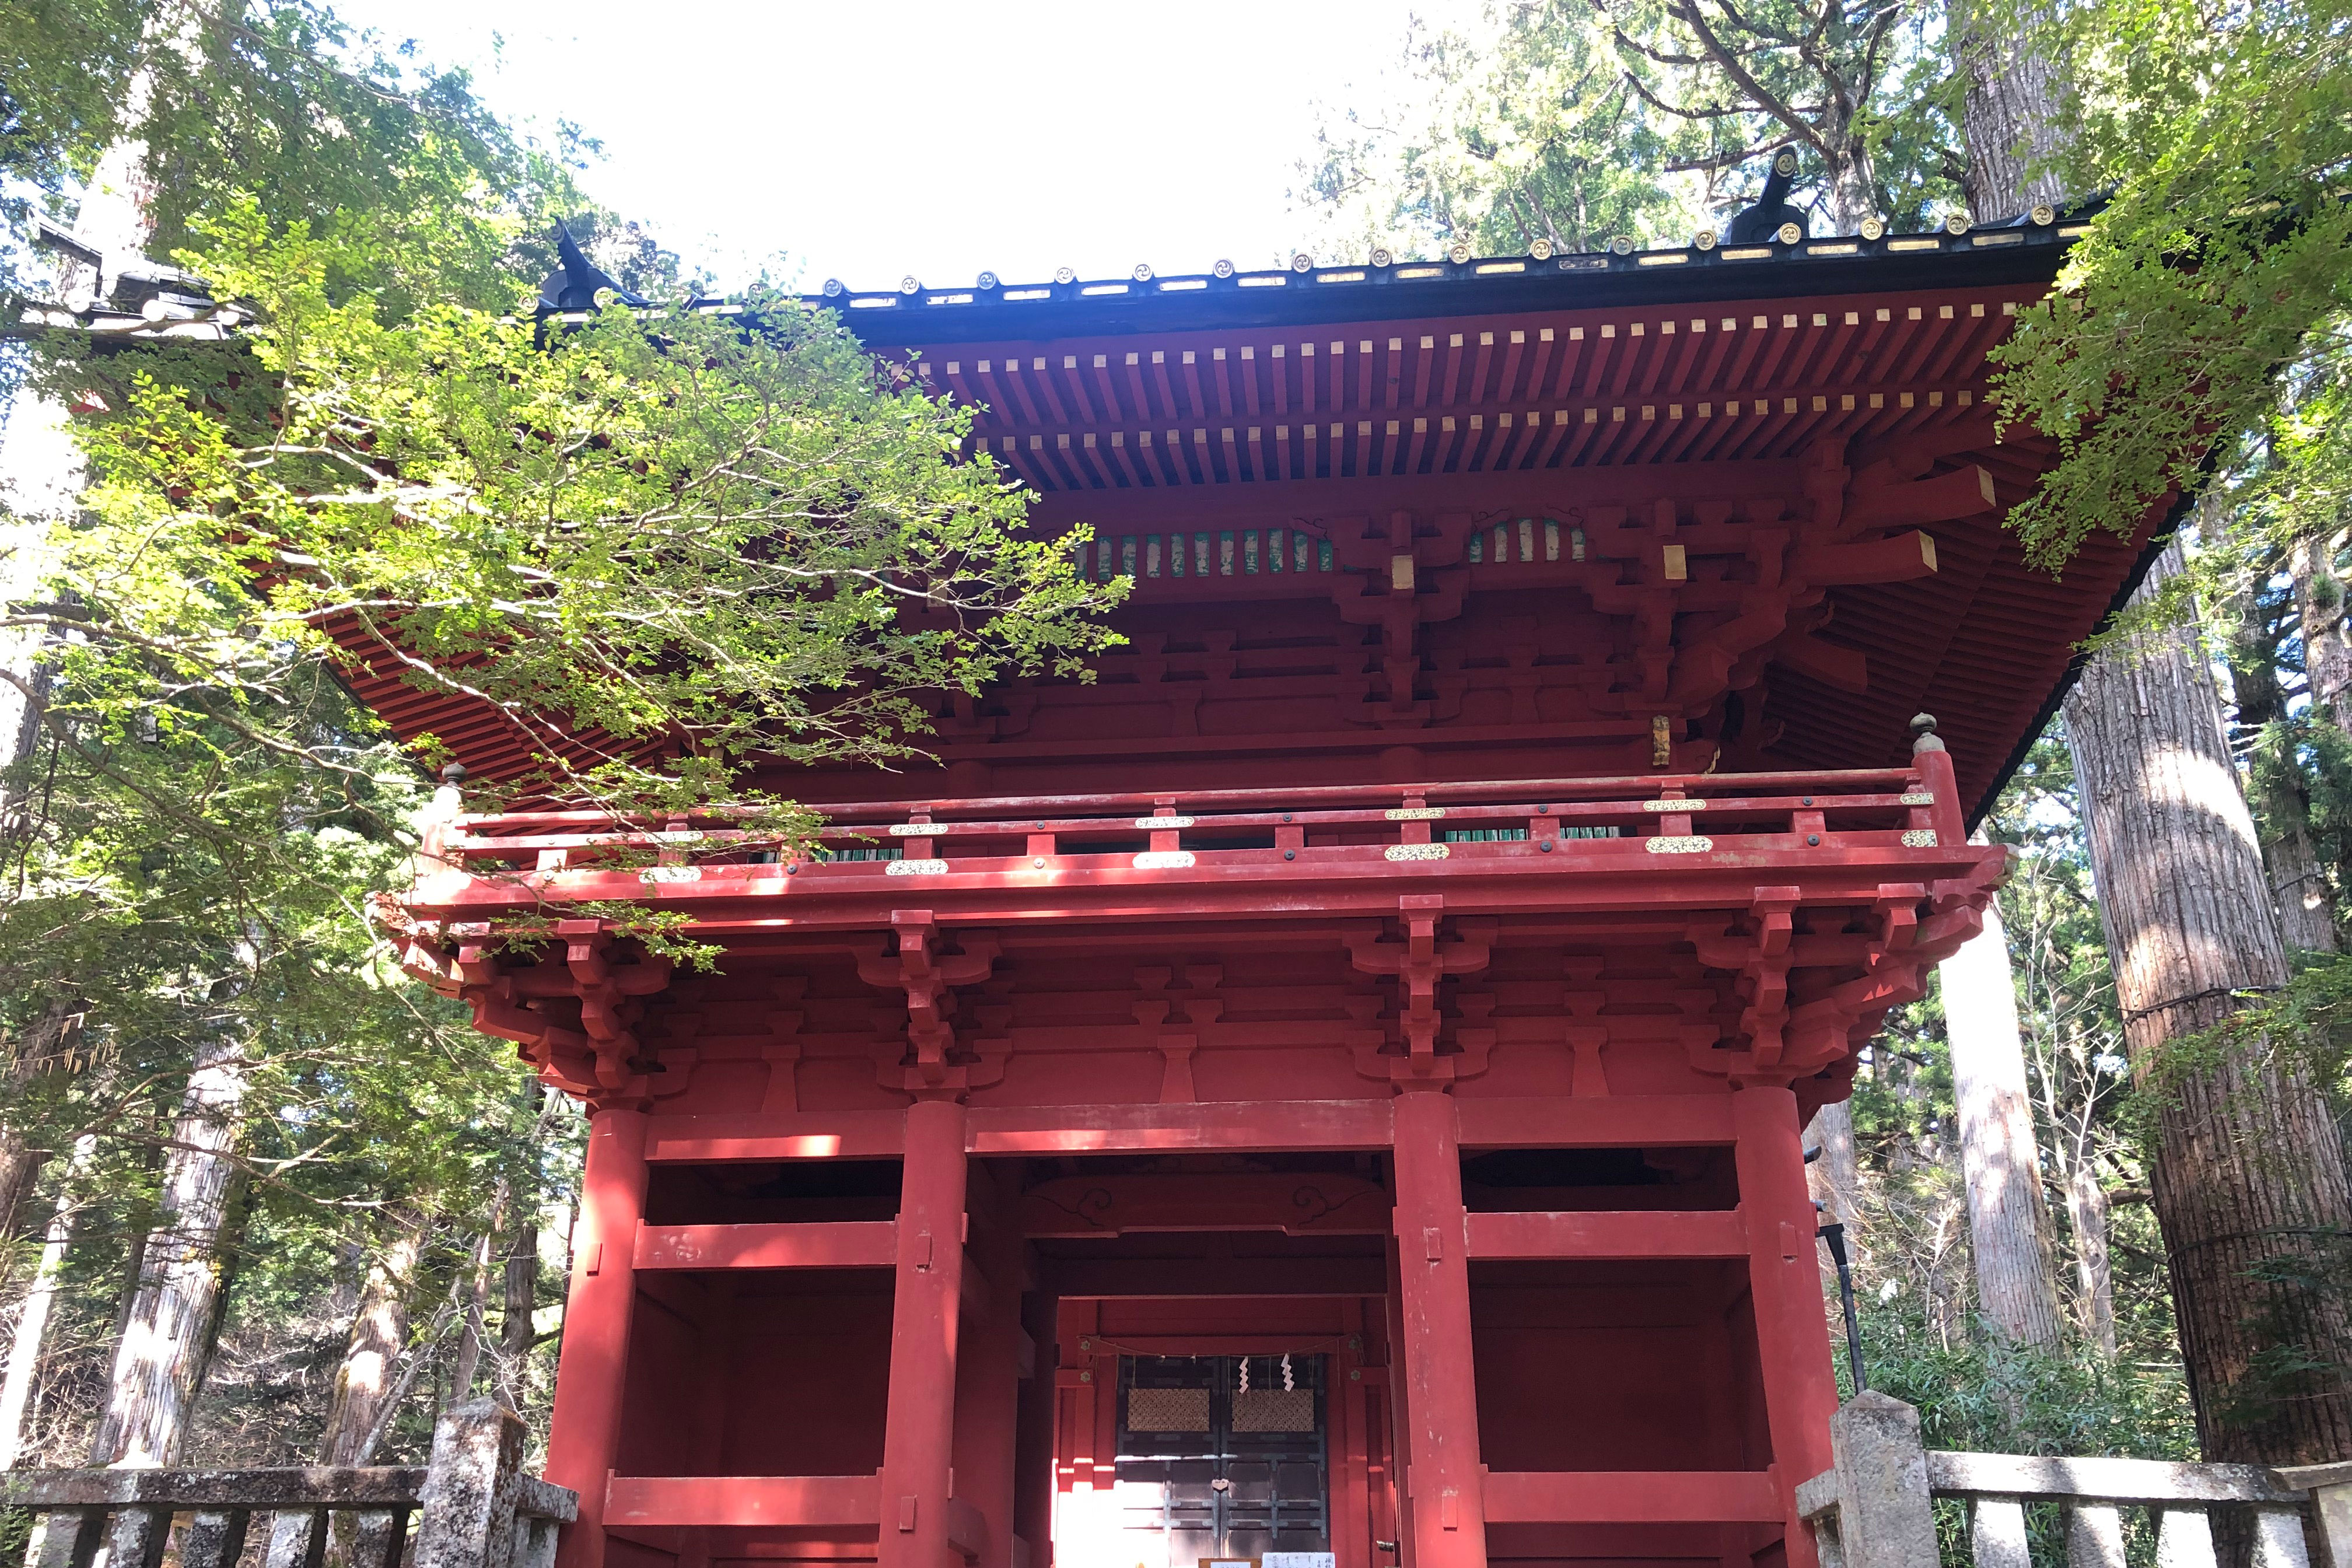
(1923, 730)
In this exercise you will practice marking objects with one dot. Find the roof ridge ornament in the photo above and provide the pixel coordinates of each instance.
(576, 284)
(1772, 214)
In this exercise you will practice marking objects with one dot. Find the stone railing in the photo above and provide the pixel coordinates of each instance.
(1876, 1509)
(472, 1506)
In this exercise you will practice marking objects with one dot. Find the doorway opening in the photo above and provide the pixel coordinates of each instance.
(1222, 1456)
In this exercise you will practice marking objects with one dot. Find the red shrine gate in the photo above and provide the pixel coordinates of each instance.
(1398, 981)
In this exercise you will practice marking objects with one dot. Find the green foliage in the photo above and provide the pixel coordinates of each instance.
(698, 536)
(2208, 301)
(1980, 1392)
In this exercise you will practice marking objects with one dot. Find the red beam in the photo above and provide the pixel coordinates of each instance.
(1270, 1124)
(832, 1135)
(1632, 1496)
(741, 1500)
(1190, 1278)
(846, 1244)
(1615, 1234)
(1612, 1121)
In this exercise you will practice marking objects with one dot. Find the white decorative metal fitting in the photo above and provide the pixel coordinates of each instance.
(914, 868)
(1415, 812)
(1164, 860)
(1922, 798)
(918, 830)
(1674, 805)
(1919, 838)
(1416, 851)
(670, 873)
(679, 836)
(1678, 844)
(1163, 822)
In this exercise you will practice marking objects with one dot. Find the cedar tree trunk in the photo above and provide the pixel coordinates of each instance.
(159, 1357)
(379, 1333)
(2013, 115)
(1837, 1174)
(2086, 1209)
(33, 1312)
(2248, 1180)
(2001, 1167)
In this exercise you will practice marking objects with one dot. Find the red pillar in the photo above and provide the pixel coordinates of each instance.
(988, 1367)
(1792, 1338)
(584, 1433)
(918, 1443)
(1448, 1517)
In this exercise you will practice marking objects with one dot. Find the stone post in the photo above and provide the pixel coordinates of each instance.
(1885, 1517)
(2331, 1505)
(466, 1508)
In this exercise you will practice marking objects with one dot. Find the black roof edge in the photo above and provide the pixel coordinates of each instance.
(2027, 248)
(1585, 281)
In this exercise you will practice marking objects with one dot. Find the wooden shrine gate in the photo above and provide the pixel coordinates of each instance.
(1415, 951)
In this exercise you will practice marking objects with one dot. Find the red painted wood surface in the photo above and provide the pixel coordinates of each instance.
(1663, 1234)
(868, 1244)
(1632, 1497)
(600, 1307)
(741, 1500)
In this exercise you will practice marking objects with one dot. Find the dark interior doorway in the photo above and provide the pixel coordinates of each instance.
(1222, 1456)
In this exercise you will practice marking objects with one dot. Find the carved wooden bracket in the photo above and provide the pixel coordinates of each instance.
(926, 979)
(1418, 963)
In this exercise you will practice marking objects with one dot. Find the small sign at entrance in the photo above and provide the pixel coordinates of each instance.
(1298, 1560)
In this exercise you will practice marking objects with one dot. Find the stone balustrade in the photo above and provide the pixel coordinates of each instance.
(1876, 1508)
(472, 1506)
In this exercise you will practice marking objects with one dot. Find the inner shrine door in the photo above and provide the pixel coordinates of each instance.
(1211, 1464)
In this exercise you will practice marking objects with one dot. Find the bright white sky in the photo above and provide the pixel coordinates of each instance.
(868, 141)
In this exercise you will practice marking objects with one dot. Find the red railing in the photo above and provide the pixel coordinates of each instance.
(1610, 819)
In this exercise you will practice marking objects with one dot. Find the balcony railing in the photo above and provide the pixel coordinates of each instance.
(1824, 817)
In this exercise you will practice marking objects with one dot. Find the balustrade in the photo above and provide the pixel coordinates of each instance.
(472, 1506)
(1802, 816)
(1875, 1509)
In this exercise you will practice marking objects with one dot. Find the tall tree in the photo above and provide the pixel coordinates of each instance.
(2248, 1179)
(379, 1334)
(2013, 114)
(159, 1359)
(2001, 1165)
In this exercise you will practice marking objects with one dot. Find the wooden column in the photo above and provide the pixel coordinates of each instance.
(1449, 1527)
(918, 1443)
(584, 1433)
(988, 1368)
(1032, 1501)
(1792, 1336)
(1400, 1406)
(1351, 1442)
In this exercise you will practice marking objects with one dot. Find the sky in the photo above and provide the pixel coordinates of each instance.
(868, 141)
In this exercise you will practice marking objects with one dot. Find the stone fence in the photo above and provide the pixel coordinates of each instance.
(1876, 1509)
(472, 1506)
